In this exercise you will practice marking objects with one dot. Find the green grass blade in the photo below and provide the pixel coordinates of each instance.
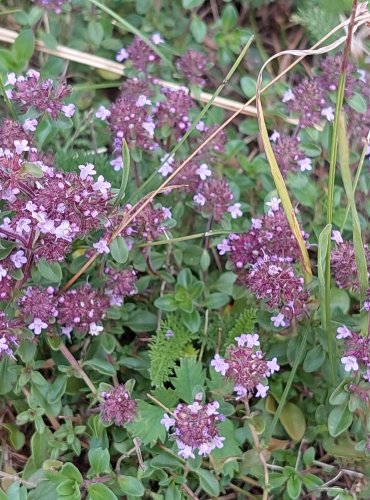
(131, 29)
(343, 153)
(289, 383)
(125, 173)
(323, 245)
(357, 178)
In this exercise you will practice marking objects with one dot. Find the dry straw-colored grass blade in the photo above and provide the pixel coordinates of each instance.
(9, 36)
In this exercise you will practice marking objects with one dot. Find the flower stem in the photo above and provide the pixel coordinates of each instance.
(330, 196)
(284, 396)
(72, 361)
(257, 445)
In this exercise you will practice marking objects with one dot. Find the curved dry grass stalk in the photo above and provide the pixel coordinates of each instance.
(361, 18)
(9, 36)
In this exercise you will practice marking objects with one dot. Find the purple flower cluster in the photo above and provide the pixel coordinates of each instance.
(43, 95)
(356, 352)
(194, 427)
(8, 338)
(173, 111)
(288, 155)
(82, 309)
(120, 284)
(118, 407)
(51, 208)
(246, 367)
(54, 5)
(263, 259)
(311, 100)
(140, 54)
(38, 307)
(193, 67)
(130, 119)
(343, 263)
(273, 279)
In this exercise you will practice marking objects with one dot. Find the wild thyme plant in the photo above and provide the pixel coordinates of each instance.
(159, 333)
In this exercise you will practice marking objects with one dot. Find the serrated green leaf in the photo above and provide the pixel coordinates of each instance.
(188, 374)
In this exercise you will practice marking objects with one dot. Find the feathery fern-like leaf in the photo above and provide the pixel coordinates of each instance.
(169, 344)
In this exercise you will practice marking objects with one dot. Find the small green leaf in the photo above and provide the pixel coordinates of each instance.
(191, 4)
(294, 486)
(24, 46)
(358, 103)
(131, 486)
(293, 421)
(101, 366)
(340, 418)
(216, 300)
(339, 396)
(71, 472)
(125, 173)
(208, 482)
(119, 250)
(98, 491)
(248, 85)
(198, 29)
(50, 271)
(100, 461)
(314, 359)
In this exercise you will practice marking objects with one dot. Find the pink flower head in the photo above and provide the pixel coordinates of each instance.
(261, 390)
(337, 237)
(157, 39)
(195, 428)
(278, 320)
(166, 165)
(305, 164)
(288, 96)
(122, 55)
(118, 407)
(101, 185)
(245, 366)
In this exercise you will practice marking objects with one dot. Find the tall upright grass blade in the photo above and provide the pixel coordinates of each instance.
(297, 361)
(125, 173)
(362, 273)
(356, 179)
(331, 181)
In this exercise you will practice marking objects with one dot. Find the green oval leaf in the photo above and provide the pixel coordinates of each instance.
(340, 418)
(131, 486)
(293, 421)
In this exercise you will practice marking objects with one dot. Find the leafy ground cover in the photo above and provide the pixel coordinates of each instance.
(184, 290)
